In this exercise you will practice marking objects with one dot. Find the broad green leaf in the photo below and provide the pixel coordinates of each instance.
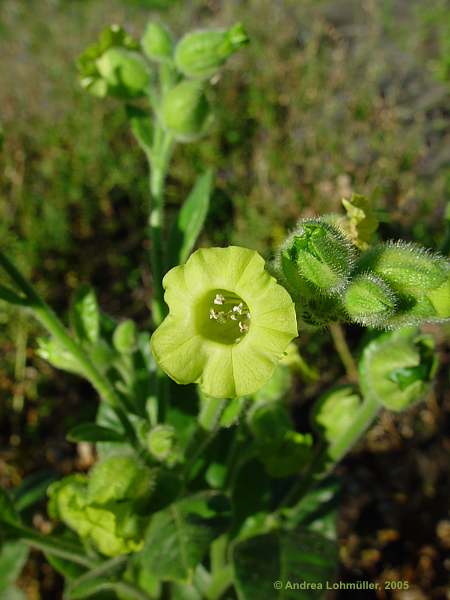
(285, 557)
(141, 126)
(58, 357)
(190, 220)
(12, 559)
(90, 432)
(32, 489)
(179, 536)
(84, 314)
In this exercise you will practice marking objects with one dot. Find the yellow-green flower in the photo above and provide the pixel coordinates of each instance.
(229, 322)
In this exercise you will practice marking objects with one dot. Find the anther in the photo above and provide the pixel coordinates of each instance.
(219, 299)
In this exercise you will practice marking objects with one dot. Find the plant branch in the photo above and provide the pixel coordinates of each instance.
(343, 350)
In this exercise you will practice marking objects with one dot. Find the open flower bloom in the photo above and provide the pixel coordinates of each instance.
(229, 322)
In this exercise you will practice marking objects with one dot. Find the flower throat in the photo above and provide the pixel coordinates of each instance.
(224, 318)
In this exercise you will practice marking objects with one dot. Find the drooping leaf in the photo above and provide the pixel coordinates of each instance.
(190, 220)
(32, 489)
(84, 314)
(284, 557)
(12, 559)
(90, 432)
(141, 126)
(8, 513)
(101, 578)
(179, 536)
(12, 297)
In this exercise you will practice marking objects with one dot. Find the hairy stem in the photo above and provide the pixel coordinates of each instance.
(343, 350)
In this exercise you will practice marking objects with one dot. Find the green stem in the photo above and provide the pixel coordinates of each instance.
(220, 582)
(210, 413)
(159, 163)
(51, 322)
(343, 350)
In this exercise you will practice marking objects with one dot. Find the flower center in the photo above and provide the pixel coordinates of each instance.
(223, 317)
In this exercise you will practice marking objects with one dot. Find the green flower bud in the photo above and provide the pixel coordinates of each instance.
(125, 71)
(157, 43)
(185, 111)
(162, 443)
(409, 269)
(398, 367)
(334, 412)
(119, 478)
(417, 276)
(269, 422)
(369, 301)
(201, 53)
(90, 77)
(125, 337)
(316, 257)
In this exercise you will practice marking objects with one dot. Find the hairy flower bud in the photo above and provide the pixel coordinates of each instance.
(185, 111)
(368, 300)
(157, 42)
(162, 443)
(316, 258)
(398, 367)
(201, 53)
(419, 278)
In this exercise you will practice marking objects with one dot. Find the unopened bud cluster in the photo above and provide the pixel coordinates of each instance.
(121, 66)
(386, 286)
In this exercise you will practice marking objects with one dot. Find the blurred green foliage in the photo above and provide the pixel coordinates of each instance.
(331, 97)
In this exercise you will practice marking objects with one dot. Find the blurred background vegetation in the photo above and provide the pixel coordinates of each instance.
(331, 97)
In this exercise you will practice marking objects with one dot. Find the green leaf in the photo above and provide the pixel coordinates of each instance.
(95, 580)
(32, 489)
(284, 557)
(67, 568)
(12, 593)
(84, 314)
(8, 513)
(190, 220)
(179, 536)
(90, 432)
(141, 126)
(12, 559)
(57, 356)
(10, 296)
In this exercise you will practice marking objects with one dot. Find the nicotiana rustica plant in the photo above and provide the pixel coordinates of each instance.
(225, 500)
